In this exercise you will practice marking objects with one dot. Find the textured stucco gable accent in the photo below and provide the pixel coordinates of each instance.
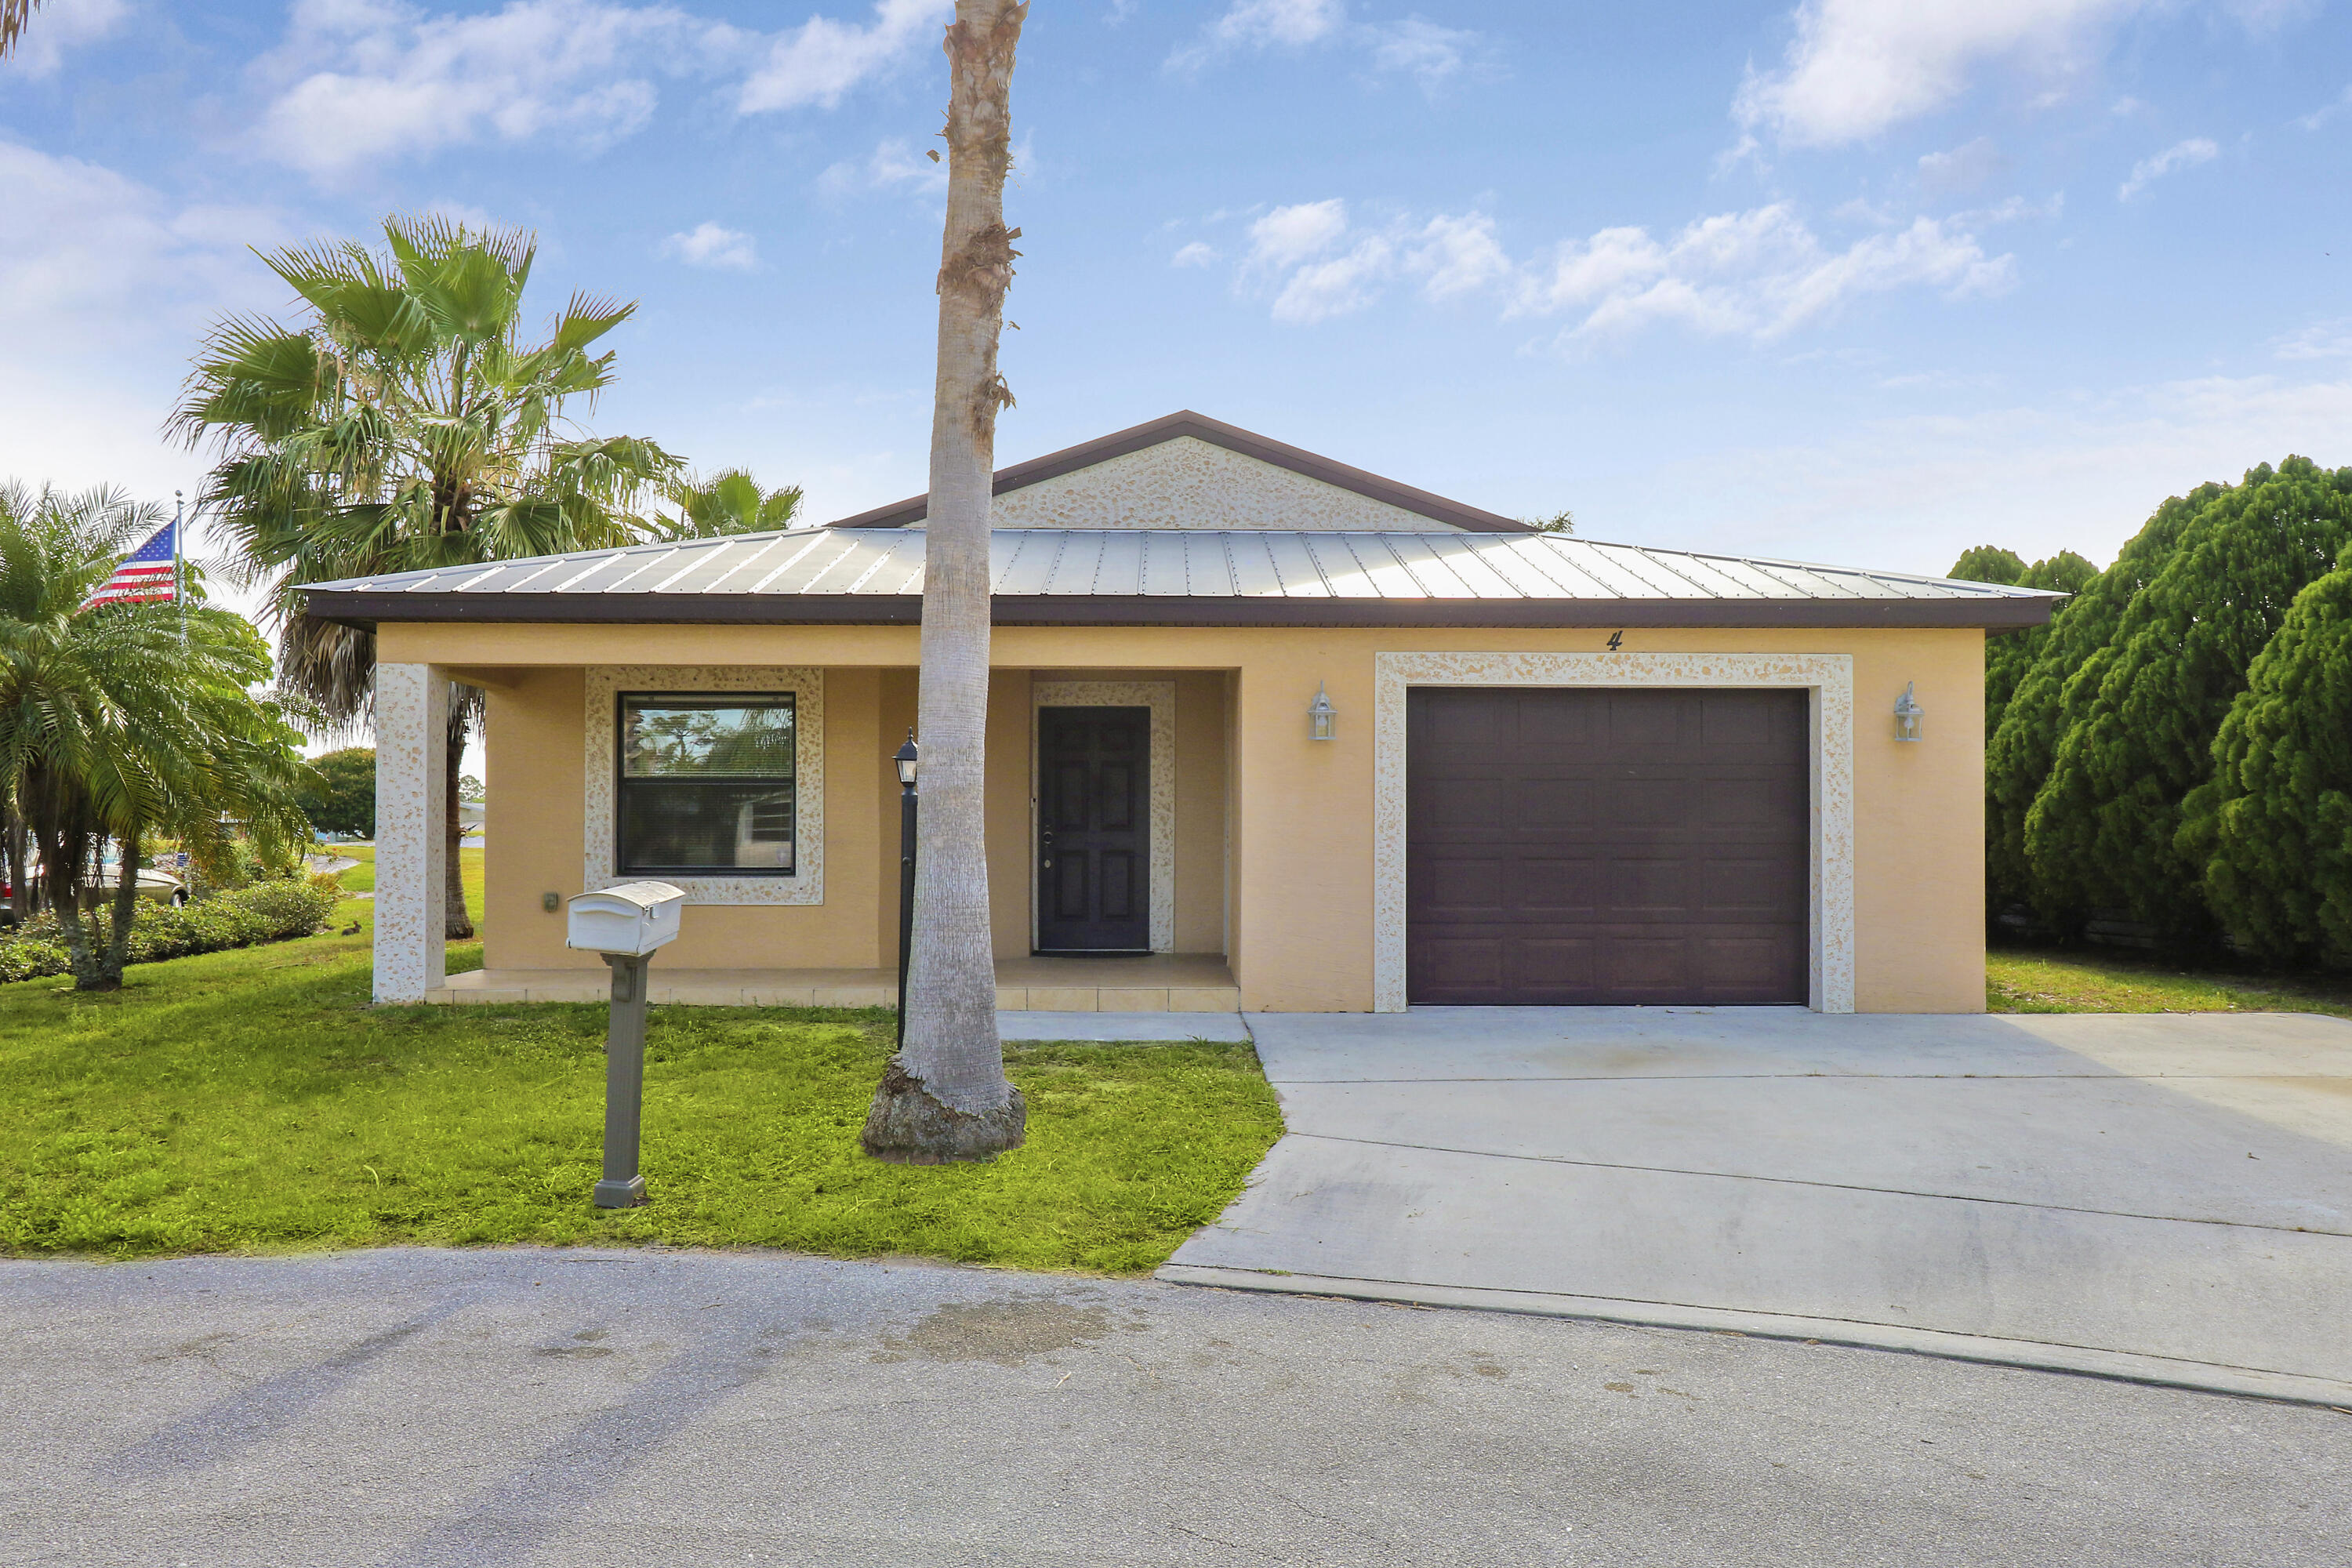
(1188, 483)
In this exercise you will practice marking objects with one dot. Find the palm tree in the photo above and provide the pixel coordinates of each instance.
(944, 1096)
(14, 15)
(730, 502)
(119, 720)
(407, 422)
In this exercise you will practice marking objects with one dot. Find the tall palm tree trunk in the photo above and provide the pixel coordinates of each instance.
(116, 951)
(945, 1096)
(457, 924)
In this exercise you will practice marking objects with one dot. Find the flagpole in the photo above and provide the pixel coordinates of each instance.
(179, 585)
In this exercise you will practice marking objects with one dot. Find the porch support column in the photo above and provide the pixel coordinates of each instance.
(412, 855)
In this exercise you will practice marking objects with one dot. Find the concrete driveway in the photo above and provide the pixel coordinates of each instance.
(2162, 1197)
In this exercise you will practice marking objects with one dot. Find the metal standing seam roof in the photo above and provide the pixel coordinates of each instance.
(1181, 576)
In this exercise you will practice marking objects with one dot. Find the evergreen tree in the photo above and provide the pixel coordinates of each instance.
(1988, 563)
(2009, 656)
(2141, 714)
(2273, 827)
(2023, 740)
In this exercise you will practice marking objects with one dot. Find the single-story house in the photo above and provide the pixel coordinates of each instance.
(1265, 730)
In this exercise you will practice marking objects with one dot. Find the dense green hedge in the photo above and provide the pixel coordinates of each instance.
(2170, 748)
(267, 912)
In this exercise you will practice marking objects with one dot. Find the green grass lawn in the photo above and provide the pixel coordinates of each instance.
(360, 879)
(2104, 979)
(254, 1101)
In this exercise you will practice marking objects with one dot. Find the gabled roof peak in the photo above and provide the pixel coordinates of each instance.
(1186, 424)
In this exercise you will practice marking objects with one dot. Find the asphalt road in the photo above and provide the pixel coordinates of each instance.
(419, 1408)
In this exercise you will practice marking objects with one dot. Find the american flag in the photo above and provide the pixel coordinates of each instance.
(147, 575)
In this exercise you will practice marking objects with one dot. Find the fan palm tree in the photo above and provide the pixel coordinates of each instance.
(407, 422)
(945, 1096)
(119, 720)
(14, 15)
(730, 502)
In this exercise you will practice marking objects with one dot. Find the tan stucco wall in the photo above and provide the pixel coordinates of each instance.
(1301, 889)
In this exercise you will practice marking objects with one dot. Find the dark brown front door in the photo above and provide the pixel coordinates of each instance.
(1591, 846)
(1093, 830)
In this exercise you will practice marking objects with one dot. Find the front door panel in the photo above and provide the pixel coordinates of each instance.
(1094, 829)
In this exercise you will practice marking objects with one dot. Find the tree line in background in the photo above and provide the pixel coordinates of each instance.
(2173, 749)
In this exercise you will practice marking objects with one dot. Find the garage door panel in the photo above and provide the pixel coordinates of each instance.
(1471, 966)
(1733, 889)
(1773, 805)
(1556, 889)
(1571, 846)
(1467, 888)
(1646, 888)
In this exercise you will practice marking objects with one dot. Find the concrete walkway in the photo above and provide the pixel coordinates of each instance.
(2167, 1198)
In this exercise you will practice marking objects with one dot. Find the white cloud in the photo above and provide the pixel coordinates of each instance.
(104, 285)
(1760, 274)
(822, 59)
(363, 81)
(2180, 155)
(1965, 168)
(61, 25)
(2327, 111)
(2079, 469)
(359, 81)
(1433, 55)
(1457, 256)
(1200, 252)
(2321, 339)
(895, 165)
(1336, 285)
(1258, 23)
(1288, 235)
(1856, 67)
(709, 244)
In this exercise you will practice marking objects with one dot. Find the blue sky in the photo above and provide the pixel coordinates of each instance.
(1862, 280)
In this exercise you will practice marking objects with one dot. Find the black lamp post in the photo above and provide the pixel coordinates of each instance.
(907, 806)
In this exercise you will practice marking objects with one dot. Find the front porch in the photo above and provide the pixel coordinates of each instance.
(1160, 983)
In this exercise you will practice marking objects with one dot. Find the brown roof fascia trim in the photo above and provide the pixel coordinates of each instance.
(1991, 614)
(1217, 433)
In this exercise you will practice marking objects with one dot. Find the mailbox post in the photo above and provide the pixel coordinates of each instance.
(625, 925)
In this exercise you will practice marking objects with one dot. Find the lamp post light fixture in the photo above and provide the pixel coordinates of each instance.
(1907, 713)
(907, 758)
(1320, 715)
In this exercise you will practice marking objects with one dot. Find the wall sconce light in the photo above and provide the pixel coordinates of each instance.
(1907, 713)
(1320, 715)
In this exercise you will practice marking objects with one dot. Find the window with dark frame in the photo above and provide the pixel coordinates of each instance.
(706, 783)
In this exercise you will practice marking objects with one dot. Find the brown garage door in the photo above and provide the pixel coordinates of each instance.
(1594, 846)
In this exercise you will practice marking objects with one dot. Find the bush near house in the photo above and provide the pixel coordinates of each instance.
(2113, 738)
(265, 912)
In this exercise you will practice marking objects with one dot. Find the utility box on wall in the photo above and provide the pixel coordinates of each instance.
(634, 918)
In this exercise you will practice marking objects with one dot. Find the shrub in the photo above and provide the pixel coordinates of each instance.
(266, 912)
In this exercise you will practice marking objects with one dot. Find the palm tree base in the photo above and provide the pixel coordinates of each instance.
(908, 1126)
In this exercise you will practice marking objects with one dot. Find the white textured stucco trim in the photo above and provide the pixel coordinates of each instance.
(1829, 677)
(1159, 696)
(411, 845)
(606, 682)
(1191, 483)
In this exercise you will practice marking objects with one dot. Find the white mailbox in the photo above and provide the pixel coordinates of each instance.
(634, 918)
